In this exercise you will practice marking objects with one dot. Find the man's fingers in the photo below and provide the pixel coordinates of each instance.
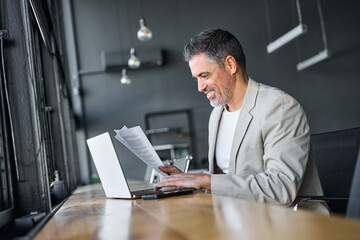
(186, 180)
(179, 180)
(170, 169)
(171, 183)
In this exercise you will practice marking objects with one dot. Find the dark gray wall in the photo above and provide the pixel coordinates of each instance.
(329, 91)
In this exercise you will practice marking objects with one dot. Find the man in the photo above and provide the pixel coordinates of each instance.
(259, 138)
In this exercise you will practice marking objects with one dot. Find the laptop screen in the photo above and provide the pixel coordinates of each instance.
(108, 166)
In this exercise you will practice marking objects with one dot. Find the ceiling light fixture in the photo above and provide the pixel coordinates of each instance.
(291, 35)
(133, 62)
(144, 33)
(124, 78)
(322, 55)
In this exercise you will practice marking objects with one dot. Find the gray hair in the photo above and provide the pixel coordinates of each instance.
(217, 44)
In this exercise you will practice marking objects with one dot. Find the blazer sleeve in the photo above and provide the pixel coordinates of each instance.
(286, 141)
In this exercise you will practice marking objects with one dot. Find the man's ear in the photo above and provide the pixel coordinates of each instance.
(231, 64)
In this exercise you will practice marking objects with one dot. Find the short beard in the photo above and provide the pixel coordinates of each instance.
(227, 93)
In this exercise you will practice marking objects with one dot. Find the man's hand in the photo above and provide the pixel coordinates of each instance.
(188, 180)
(170, 169)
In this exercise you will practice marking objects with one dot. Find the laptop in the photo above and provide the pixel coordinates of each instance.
(112, 175)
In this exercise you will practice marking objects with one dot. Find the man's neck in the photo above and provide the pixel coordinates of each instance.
(238, 95)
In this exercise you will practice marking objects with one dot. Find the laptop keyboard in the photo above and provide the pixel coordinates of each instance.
(143, 192)
(151, 191)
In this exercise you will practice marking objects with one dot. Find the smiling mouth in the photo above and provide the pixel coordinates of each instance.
(210, 95)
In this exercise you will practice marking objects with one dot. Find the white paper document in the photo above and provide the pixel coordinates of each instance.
(136, 141)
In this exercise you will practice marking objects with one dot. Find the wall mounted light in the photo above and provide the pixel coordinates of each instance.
(115, 61)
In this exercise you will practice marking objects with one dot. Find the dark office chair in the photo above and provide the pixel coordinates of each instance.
(353, 208)
(335, 155)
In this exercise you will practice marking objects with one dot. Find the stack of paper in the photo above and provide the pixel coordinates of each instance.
(136, 141)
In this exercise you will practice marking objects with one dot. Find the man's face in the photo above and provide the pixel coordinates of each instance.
(212, 79)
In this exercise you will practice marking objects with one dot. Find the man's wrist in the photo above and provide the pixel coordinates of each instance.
(206, 181)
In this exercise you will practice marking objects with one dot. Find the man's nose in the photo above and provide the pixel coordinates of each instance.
(201, 85)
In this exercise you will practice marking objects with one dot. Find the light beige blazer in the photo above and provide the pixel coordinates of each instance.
(269, 160)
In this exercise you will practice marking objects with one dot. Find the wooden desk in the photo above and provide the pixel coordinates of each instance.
(87, 214)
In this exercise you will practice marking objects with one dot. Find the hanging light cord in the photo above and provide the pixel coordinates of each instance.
(129, 22)
(298, 8)
(142, 9)
(267, 13)
(322, 24)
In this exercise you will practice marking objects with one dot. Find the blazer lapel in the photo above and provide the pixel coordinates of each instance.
(213, 130)
(243, 122)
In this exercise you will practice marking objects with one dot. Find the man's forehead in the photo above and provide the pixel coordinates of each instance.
(200, 63)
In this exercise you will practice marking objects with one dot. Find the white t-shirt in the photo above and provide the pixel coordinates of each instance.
(225, 138)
